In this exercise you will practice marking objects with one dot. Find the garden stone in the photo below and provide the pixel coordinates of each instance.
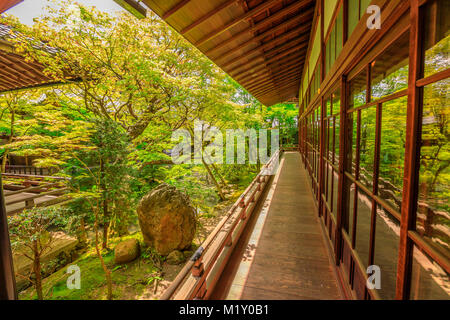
(126, 251)
(167, 219)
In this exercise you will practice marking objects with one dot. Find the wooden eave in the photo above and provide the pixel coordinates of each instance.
(7, 4)
(260, 43)
(16, 72)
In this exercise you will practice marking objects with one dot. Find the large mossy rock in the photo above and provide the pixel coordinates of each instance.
(167, 219)
(126, 251)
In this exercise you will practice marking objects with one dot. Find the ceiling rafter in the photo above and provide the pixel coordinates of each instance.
(281, 79)
(278, 76)
(11, 81)
(208, 16)
(287, 68)
(284, 36)
(267, 54)
(175, 8)
(10, 68)
(16, 77)
(279, 53)
(278, 15)
(288, 84)
(252, 73)
(34, 66)
(265, 5)
(275, 86)
(263, 44)
(269, 32)
(275, 68)
(255, 70)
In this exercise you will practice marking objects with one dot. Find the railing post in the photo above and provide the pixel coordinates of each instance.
(198, 268)
(244, 209)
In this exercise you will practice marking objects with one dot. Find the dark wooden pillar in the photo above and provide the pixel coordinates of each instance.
(7, 278)
(412, 153)
(322, 113)
(341, 203)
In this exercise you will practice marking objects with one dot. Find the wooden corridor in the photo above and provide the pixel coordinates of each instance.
(282, 254)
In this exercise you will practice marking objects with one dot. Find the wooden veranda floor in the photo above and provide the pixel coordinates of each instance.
(282, 254)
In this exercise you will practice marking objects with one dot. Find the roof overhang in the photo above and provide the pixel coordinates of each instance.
(16, 72)
(134, 7)
(262, 44)
(7, 4)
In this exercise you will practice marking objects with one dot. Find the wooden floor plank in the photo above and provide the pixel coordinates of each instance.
(289, 260)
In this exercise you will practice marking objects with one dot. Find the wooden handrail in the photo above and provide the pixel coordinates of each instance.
(192, 281)
(47, 185)
(16, 175)
(34, 196)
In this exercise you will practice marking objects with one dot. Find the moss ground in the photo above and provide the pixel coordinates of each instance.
(129, 281)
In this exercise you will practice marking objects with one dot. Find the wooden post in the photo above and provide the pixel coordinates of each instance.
(412, 152)
(322, 112)
(7, 278)
(341, 205)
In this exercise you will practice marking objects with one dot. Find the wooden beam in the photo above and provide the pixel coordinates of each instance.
(255, 70)
(208, 16)
(31, 67)
(7, 82)
(263, 46)
(266, 75)
(247, 55)
(287, 66)
(267, 21)
(175, 8)
(277, 56)
(14, 81)
(255, 11)
(276, 83)
(277, 89)
(275, 52)
(278, 77)
(16, 77)
(264, 72)
(271, 31)
(10, 68)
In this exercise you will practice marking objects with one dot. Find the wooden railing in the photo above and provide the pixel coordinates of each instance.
(290, 147)
(32, 191)
(199, 276)
(22, 169)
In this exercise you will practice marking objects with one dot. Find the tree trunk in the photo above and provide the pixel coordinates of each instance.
(121, 216)
(82, 238)
(5, 155)
(219, 189)
(37, 270)
(105, 206)
(4, 160)
(102, 261)
(224, 183)
(105, 224)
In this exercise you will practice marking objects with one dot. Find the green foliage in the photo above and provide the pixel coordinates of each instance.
(35, 225)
